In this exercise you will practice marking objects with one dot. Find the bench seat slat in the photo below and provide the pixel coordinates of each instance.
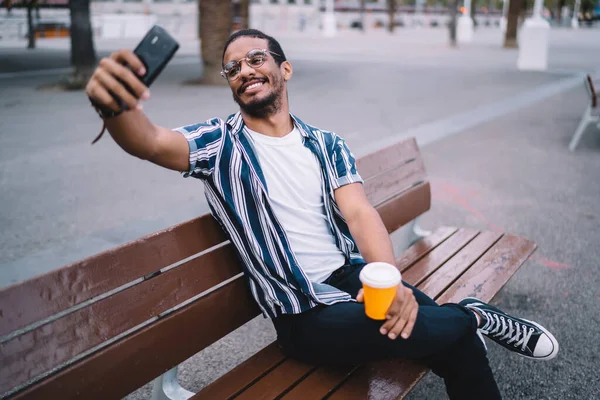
(491, 272)
(120, 369)
(88, 327)
(382, 380)
(243, 375)
(389, 184)
(43, 296)
(423, 247)
(277, 381)
(383, 160)
(320, 383)
(438, 256)
(441, 279)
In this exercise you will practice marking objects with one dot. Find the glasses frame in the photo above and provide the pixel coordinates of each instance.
(246, 58)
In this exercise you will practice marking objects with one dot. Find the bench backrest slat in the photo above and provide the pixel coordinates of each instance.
(43, 296)
(131, 362)
(397, 186)
(90, 326)
(403, 177)
(406, 207)
(380, 161)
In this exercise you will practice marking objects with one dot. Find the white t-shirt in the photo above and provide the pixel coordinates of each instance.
(293, 176)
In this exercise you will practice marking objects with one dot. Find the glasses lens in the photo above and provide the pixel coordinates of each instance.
(256, 58)
(231, 69)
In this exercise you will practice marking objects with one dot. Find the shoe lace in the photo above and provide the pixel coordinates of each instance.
(506, 330)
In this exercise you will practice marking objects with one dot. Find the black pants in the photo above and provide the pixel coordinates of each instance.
(444, 338)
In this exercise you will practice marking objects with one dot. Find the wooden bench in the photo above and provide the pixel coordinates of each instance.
(591, 115)
(103, 327)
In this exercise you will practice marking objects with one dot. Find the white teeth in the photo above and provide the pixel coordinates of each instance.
(254, 85)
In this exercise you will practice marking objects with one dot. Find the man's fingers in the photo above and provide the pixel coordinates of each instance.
(394, 311)
(360, 297)
(127, 77)
(401, 320)
(111, 85)
(389, 324)
(128, 57)
(407, 331)
(102, 96)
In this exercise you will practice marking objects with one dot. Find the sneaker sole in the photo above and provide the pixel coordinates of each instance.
(541, 328)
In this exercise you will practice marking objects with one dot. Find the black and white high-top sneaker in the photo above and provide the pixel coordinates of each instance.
(526, 338)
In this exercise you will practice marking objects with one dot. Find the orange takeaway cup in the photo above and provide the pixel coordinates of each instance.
(380, 281)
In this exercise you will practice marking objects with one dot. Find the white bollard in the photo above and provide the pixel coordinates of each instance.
(464, 29)
(329, 25)
(533, 44)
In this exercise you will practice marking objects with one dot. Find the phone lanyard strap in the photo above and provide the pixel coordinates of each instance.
(101, 132)
(104, 113)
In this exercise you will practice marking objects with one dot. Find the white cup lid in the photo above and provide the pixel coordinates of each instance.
(380, 275)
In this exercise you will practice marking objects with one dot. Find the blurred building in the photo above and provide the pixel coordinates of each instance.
(132, 18)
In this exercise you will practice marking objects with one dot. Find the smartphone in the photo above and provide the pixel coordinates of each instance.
(155, 51)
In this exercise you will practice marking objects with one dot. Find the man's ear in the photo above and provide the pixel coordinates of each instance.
(287, 70)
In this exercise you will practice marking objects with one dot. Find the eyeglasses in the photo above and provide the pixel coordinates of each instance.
(255, 58)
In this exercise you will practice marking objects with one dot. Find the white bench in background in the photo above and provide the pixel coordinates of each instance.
(591, 114)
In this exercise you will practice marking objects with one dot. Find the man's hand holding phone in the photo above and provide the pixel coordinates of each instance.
(115, 79)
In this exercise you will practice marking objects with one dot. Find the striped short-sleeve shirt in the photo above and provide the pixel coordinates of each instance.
(235, 188)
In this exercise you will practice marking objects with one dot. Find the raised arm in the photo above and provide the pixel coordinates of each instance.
(132, 130)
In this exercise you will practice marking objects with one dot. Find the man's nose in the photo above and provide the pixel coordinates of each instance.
(246, 69)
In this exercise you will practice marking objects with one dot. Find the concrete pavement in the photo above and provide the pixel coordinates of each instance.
(495, 142)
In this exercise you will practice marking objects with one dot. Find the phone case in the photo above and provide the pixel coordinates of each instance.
(155, 51)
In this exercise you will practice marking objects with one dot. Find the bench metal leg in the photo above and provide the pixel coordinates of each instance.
(406, 236)
(418, 232)
(586, 119)
(167, 387)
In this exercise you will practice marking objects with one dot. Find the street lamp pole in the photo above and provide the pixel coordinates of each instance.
(329, 23)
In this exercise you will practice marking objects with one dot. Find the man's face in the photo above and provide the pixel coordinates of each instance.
(258, 91)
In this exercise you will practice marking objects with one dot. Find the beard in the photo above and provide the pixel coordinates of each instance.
(268, 105)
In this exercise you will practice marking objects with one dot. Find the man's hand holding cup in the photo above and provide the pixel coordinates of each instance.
(386, 298)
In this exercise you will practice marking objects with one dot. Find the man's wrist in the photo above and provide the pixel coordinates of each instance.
(105, 112)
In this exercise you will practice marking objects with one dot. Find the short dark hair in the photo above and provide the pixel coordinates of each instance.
(274, 45)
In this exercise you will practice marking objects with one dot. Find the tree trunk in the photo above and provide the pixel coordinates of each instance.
(391, 12)
(244, 14)
(83, 54)
(215, 28)
(30, 27)
(452, 27)
(512, 21)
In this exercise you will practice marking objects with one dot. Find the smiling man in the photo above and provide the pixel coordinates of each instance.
(291, 200)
